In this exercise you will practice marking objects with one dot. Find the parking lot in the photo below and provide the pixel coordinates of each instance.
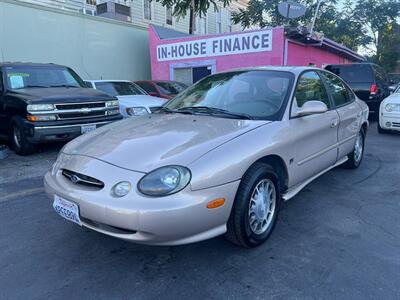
(338, 239)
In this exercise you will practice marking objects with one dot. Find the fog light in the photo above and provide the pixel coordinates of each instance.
(121, 189)
(388, 124)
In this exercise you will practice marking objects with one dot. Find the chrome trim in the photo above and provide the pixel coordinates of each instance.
(67, 111)
(76, 178)
(75, 125)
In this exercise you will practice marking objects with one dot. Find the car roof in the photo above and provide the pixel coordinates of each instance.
(29, 64)
(112, 80)
(292, 69)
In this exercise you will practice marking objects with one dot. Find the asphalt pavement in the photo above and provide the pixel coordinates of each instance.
(338, 239)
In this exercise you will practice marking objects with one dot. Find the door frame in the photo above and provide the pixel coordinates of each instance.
(193, 64)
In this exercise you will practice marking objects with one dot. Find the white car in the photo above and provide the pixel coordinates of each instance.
(389, 113)
(133, 100)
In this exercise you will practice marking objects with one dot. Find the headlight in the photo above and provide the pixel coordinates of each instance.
(40, 107)
(392, 107)
(121, 189)
(164, 181)
(41, 118)
(112, 103)
(136, 111)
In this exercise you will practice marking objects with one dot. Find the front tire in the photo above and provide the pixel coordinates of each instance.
(355, 157)
(19, 140)
(256, 207)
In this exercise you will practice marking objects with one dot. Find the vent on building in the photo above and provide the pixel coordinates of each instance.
(114, 11)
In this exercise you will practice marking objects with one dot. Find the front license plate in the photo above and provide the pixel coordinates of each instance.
(67, 209)
(87, 128)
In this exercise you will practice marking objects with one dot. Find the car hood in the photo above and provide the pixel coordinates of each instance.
(140, 100)
(59, 95)
(393, 98)
(146, 143)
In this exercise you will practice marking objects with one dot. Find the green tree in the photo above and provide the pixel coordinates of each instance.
(194, 7)
(337, 24)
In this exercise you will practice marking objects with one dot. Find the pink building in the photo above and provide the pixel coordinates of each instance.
(187, 58)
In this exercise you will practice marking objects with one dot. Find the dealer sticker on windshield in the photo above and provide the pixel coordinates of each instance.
(67, 209)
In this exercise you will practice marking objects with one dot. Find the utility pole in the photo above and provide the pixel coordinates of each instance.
(315, 18)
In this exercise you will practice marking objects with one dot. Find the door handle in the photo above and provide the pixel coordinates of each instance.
(334, 123)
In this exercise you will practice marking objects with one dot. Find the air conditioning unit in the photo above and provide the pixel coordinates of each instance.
(114, 11)
(88, 11)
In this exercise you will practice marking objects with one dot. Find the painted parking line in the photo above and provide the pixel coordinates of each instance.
(12, 196)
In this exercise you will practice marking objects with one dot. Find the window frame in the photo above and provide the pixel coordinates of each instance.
(346, 86)
(151, 7)
(166, 16)
(295, 89)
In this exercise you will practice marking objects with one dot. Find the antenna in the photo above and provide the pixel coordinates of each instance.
(315, 18)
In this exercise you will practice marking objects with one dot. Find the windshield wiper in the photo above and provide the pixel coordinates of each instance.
(215, 111)
(31, 86)
(64, 85)
(172, 111)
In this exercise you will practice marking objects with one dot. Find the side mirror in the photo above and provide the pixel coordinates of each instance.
(154, 94)
(311, 108)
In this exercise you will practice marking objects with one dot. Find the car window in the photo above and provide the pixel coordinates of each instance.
(353, 73)
(148, 87)
(311, 88)
(340, 93)
(119, 88)
(169, 88)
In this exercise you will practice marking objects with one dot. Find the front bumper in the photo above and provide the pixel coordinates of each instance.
(390, 121)
(38, 132)
(172, 220)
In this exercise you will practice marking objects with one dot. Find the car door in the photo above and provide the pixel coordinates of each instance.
(3, 121)
(349, 112)
(315, 135)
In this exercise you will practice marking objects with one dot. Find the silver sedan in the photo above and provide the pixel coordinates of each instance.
(220, 158)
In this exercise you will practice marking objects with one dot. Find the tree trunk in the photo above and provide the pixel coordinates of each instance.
(192, 18)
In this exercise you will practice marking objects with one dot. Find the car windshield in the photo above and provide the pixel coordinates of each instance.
(398, 89)
(119, 88)
(19, 77)
(256, 94)
(170, 88)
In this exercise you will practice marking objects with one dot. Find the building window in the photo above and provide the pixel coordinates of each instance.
(229, 19)
(147, 9)
(168, 15)
(91, 2)
(219, 20)
(201, 25)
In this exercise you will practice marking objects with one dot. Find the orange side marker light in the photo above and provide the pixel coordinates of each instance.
(216, 203)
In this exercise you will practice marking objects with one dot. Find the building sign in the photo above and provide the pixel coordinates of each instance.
(250, 42)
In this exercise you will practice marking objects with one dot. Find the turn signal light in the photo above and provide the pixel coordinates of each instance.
(216, 203)
(32, 118)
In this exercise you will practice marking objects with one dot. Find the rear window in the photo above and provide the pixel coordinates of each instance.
(353, 73)
(170, 88)
(119, 88)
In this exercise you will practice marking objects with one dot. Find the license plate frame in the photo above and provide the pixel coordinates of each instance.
(67, 209)
(88, 128)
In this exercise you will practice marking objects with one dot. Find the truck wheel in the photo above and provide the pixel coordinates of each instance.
(357, 155)
(19, 142)
(256, 207)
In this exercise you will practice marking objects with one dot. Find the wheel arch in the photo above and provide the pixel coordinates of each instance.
(279, 166)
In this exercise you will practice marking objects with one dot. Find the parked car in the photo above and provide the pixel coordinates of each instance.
(48, 102)
(389, 116)
(394, 80)
(218, 158)
(162, 88)
(368, 81)
(133, 100)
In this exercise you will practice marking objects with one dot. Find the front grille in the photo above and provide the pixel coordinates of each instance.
(82, 179)
(68, 116)
(80, 105)
(394, 124)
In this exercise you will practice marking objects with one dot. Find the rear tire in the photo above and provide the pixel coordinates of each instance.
(256, 207)
(19, 141)
(355, 157)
